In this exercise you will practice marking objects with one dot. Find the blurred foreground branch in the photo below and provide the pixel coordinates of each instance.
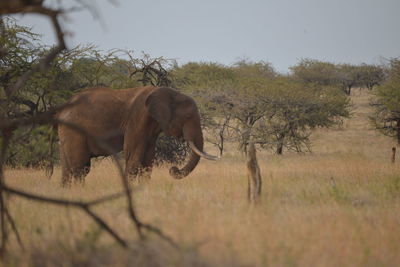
(48, 118)
(8, 126)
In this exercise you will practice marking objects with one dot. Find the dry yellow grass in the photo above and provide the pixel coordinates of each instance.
(339, 206)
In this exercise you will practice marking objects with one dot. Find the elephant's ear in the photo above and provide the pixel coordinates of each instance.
(158, 104)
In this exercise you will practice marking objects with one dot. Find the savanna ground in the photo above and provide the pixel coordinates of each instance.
(338, 206)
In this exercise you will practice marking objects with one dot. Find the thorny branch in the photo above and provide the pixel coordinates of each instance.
(150, 69)
(35, 7)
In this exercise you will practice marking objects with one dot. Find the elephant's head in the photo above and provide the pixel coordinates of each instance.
(178, 116)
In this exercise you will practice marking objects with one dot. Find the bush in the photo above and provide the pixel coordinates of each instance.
(30, 147)
(170, 150)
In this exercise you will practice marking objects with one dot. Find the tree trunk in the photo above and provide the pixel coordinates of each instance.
(245, 139)
(221, 139)
(253, 176)
(349, 90)
(393, 154)
(279, 149)
(279, 146)
(221, 147)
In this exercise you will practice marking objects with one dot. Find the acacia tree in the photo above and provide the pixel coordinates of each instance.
(386, 104)
(147, 70)
(348, 76)
(345, 76)
(219, 124)
(295, 109)
(91, 68)
(23, 52)
(210, 84)
(226, 97)
(371, 75)
(315, 71)
(252, 85)
(249, 101)
(44, 90)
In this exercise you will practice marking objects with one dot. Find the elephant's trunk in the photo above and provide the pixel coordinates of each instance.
(197, 139)
(194, 137)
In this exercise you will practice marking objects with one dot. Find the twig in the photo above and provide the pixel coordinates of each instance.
(138, 224)
(59, 201)
(106, 227)
(161, 234)
(85, 206)
(128, 193)
(4, 235)
(14, 227)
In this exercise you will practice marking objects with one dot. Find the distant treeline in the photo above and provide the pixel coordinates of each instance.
(242, 102)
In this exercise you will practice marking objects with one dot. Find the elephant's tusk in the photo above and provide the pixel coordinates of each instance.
(200, 153)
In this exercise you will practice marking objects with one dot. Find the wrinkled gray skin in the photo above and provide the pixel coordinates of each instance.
(128, 120)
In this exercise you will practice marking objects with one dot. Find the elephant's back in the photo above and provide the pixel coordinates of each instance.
(101, 95)
(100, 108)
(94, 109)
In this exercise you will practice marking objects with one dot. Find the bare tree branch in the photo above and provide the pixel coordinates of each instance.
(85, 206)
(14, 227)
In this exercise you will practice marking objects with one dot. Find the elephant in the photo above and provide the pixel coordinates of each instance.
(101, 121)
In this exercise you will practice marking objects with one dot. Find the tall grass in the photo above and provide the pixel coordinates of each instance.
(338, 206)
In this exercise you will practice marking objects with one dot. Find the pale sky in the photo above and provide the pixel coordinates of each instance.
(278, 31)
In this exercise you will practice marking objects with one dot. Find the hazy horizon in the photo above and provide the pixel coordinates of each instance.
(279, 32)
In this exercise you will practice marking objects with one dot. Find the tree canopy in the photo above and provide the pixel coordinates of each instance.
(386, 103)
(249, 100)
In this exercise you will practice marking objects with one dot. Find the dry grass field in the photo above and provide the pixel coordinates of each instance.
(337, 206)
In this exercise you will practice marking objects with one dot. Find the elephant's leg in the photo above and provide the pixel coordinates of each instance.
(134, 166)
(80, 170)
(75, 157)
(139, 162)
(66, 174)
(148, 160)
(76, 171)
(139, 149)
